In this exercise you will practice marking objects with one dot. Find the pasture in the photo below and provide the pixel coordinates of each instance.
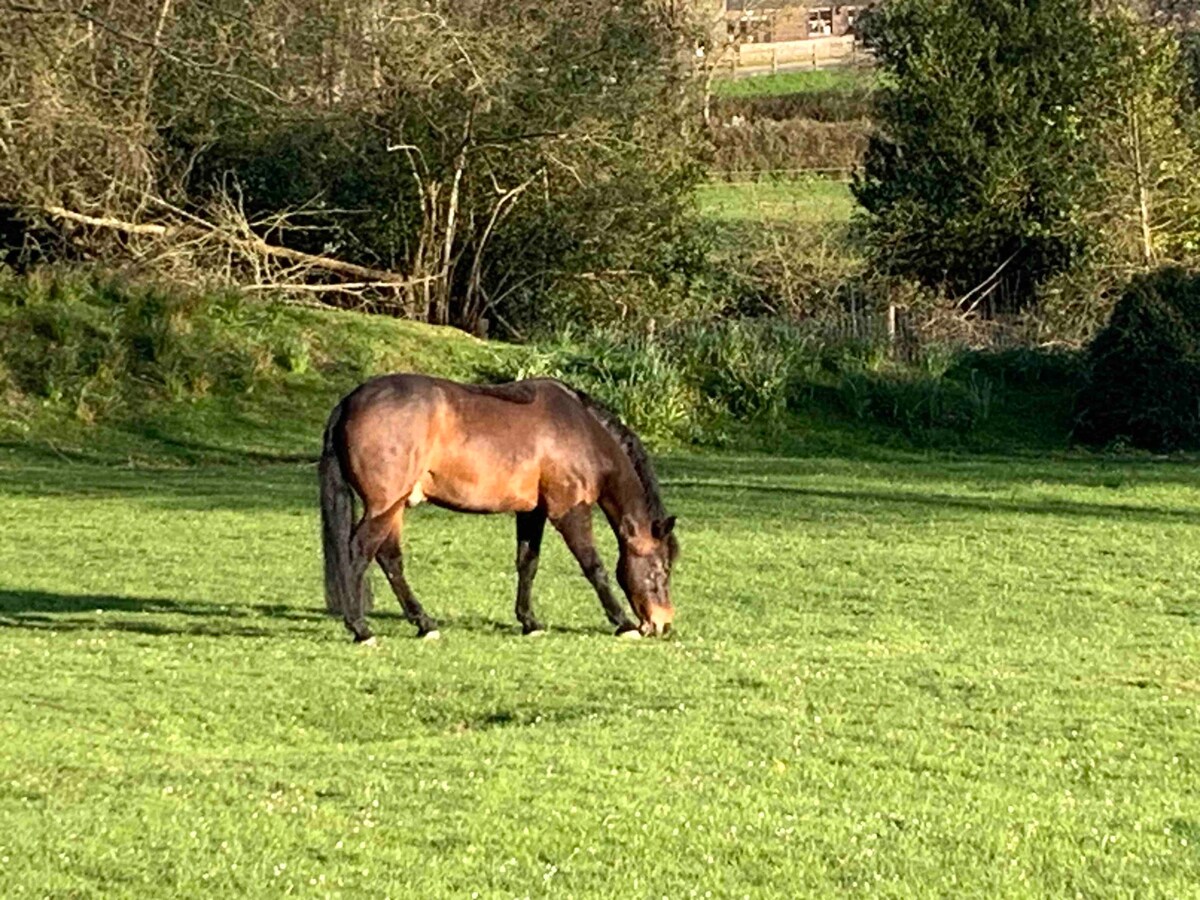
(809, 81)
(896, 674)
(802, 202)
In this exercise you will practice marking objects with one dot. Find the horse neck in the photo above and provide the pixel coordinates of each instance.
(624, 495)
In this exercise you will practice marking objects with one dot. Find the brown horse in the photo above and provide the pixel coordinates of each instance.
(536, 448)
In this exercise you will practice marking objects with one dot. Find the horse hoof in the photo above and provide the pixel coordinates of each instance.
(431, 635)
(631, 635)
(537, 632)
(369, 642)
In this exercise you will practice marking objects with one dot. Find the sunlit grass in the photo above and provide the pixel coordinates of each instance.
(809, 81)
(816, 201)
(920, 676)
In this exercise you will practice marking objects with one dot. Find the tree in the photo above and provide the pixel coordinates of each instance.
(1002, 129)
(458, 158)
(980, 156)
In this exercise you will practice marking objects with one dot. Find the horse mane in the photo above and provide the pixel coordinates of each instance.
(631, 444)
(521, 392)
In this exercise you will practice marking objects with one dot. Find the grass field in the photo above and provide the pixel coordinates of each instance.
(897, 674)
(810, 201)
(781, 83)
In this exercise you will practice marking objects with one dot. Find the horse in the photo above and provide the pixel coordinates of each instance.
(536, 448)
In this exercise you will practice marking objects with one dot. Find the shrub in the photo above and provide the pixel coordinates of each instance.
(789, 145)
(688, 382)
(1143, 384)
(823, 106)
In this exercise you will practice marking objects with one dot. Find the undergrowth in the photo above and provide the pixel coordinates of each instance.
(213, 369)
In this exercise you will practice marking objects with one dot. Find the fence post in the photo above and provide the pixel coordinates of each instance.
(891, 328)
(774, 60)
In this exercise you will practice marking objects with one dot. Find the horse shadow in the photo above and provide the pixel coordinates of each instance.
(165, 616)
(159, 616)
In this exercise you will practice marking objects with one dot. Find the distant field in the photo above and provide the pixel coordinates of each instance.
(816, 200)
(814, 81)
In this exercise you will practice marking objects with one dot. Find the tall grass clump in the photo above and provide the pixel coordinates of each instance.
(689, 382)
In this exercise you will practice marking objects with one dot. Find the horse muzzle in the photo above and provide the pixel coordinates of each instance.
(657, 620)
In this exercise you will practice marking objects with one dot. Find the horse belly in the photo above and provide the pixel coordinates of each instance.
(468, 486)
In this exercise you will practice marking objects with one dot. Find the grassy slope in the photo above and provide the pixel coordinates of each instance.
(291, 365)
(921, 675)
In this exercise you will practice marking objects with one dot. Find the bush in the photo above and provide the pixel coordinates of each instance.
(1004, 139)
(921, 407)
(1143, 385)
(789, 145)
(822, 106)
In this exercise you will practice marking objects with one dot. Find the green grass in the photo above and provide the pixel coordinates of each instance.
(815, 201)
(909, 675)
(143, 373)
(806, 82)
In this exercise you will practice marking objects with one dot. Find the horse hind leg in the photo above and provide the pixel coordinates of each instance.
(530, 526)
(365, 542)
(391, 560)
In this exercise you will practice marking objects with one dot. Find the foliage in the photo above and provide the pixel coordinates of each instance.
(483, 150)
(97, 360)
(687, 382)
(821, 94)
(790, 146)
(921, 407)
(1144, 381)
(1151, 212)
(1002, 146)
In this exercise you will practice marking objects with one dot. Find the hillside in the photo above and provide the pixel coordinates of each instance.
(94, 367)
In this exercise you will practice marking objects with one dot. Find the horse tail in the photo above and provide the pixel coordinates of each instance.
(337, 524)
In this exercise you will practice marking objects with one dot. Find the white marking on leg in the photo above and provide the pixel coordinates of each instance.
(631, 635)
(431, 635)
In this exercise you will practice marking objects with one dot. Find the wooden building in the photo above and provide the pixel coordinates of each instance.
(775, 21)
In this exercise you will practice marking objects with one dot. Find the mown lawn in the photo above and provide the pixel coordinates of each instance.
(904, 674)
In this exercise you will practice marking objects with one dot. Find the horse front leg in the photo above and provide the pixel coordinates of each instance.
(530, 527)
(576, 529)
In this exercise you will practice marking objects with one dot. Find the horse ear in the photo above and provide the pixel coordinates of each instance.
(628, 528)
(663, 527)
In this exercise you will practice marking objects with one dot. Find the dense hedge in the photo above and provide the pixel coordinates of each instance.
(1144, 381)
(790, 145)
(820, 106)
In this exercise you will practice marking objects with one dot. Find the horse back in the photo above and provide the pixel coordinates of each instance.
(479, 448)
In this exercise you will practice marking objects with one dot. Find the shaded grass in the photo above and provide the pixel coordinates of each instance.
(914, 674)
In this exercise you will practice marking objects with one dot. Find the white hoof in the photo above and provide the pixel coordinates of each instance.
(372, 641)
(631, 635)
(538, 633)
(434, 635)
